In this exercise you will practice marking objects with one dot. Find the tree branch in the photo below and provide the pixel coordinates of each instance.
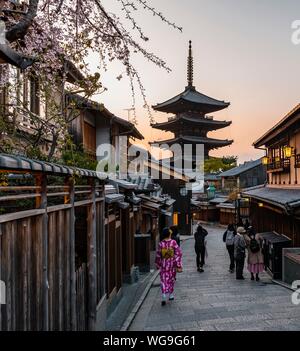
(19, 30)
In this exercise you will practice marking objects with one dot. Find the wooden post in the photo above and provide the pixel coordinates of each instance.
(103, 245)
(0, 272)
(91, 240)
(71, 200)
(41, 180)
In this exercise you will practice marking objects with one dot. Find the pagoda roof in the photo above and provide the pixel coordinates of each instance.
(207, 123)
(214, 143)
(191, 100)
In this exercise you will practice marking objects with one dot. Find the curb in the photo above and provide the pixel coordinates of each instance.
(284, 285)
(126, 325)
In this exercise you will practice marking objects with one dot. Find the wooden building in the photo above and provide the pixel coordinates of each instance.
(276, 206)
(96, 125)
(247, 175)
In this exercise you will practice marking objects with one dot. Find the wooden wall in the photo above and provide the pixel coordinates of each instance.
(45, 291)
(267, 218)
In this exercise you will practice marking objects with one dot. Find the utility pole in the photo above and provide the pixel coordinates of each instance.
(129, 110)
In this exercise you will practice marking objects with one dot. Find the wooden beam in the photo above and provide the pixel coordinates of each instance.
(71, 200)
(91, 254)
(41, 181)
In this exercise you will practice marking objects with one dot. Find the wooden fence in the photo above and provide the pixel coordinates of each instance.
(50, 284)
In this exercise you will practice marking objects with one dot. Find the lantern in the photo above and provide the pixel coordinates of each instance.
(260, 204)
(183, 191)
(265, 160)
(288, 151)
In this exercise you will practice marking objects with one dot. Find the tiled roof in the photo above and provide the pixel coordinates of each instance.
(241, 169)
(95, 106)
(192, 96)
(210, 124)
(283, 197)
(21, 163)
(195, 139)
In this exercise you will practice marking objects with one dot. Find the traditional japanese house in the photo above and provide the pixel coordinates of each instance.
(114, 202)
(96, 125)
(276, 205)
(131, 221)
(190, 122)
(247, 175)
(25, 111)
(157, 213)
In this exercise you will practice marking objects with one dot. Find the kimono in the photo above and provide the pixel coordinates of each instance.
(168, 259)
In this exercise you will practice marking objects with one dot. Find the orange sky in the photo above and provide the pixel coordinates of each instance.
(243, 54)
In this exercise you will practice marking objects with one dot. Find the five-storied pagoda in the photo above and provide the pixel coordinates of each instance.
(190, 124)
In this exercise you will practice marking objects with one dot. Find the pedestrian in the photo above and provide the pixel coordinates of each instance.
(255, 255)
(200, 247)
(240, 252)
(175, 234)
(228, 238)
(169, 262)
(247, 224)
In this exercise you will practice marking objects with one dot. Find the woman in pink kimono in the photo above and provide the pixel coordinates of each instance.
(168, 260)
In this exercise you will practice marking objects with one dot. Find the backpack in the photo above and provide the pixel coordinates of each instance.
(229, 237)
(254, 245)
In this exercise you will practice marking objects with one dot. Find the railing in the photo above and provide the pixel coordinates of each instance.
(39, 225)
(282, 165)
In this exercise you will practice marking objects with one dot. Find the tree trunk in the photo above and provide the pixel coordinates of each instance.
(53, 146)
(19, 30)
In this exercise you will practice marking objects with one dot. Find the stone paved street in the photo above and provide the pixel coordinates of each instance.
(214, 300)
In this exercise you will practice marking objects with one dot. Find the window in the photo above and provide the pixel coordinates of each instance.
(34, 96)
(89, 138)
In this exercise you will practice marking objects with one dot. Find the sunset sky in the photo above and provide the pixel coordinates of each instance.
(243, 53)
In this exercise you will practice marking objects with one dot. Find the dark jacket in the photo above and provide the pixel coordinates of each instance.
(225, 235)
(199, 236)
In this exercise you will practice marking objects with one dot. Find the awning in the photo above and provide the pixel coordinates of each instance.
(218, 200)
(20, 163)
(124, 184)
(287, 199)
(123, 205)
(113, 198)
(226, 205)
(135, 200)
(166, 213)
(170, 202)
(151, 205)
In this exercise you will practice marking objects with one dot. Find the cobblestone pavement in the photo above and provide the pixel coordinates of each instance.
(214, 300)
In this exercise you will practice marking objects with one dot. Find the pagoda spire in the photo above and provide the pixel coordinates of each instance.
(190, 67)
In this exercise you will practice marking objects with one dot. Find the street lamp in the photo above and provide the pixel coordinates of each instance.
(183, 191)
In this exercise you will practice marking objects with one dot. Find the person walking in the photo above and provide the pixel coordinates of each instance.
(228, 238)
(169, 262)
(175, 234)
(200, 248)
(255, 255)
(240, 252)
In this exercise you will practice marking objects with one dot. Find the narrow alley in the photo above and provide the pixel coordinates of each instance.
(214, 300)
